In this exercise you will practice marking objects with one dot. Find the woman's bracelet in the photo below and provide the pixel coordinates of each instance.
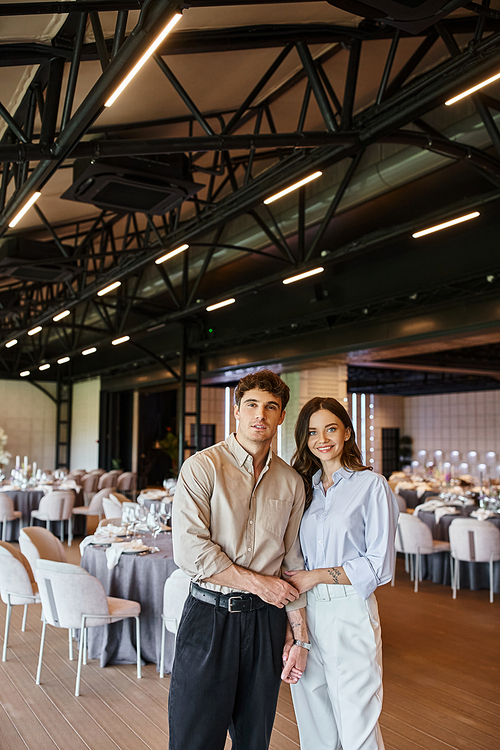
(302, 644)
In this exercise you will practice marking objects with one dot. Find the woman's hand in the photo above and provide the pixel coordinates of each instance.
(303, 580)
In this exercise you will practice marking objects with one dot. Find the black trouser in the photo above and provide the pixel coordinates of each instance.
(226, 675)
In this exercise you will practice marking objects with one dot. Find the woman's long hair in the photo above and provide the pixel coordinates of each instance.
(303, 460)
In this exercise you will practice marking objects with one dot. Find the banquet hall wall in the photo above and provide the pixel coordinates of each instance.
(446, 422)
(28, 417)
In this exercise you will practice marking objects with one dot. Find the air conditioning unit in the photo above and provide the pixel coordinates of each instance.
(409, 15)
(133, 183)
(29, 260)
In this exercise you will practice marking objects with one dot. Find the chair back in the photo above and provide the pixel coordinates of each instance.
(51, 506)
(99, 472)
(36, 542)
(107, 480)
(474, 541)
(16, 576)
(67, 592)
(6, 507)
(127, 481)
(114, 521)
(401, 503)
(68, 501)
(175, 593)
(413, 535)
(95, 507)
(111, 507)
(89, 482)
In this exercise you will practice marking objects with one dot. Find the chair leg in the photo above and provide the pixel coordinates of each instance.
(491, 579)
(407, 566)
(70, 531)
(48, 525)
(417, 570)
(138, 645)
(70, 638)
(80, 657)
(42, 641)
(411, 568)
(7, 626)
(162, 649)
(455, 574)
(393, 580)
(25, 615)
(4, 529)
(61, 531)
(84, 645)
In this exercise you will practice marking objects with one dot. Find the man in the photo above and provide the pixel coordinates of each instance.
(236, 516)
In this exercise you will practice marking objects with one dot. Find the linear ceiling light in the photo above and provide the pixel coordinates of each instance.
(109, 288)
(10, 343)
(304, 275)
(44, 367)
(446, 224)
(472, 90)
(63, 360)
(171, 254)
(24, 209)
(121, 340)
(159, 39)
(293, 187)
(24, 374)
(89, 351)
(61, 315)
(37, 329)
(221, 304)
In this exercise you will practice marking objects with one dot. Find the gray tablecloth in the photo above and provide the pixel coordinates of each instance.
(436, 567)
(412, 500)
(141, 579)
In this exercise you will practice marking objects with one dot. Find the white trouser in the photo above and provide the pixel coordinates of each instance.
(339, 697)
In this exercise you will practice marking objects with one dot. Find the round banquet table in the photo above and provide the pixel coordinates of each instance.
(140, 578)
(436, 567)
(410, 496)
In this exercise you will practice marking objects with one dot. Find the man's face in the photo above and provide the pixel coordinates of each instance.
(259, 415)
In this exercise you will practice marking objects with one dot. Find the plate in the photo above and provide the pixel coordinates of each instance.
(135, 551)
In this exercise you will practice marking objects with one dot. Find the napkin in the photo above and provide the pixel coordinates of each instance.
(114, 552)
(447, 510)
(109, 530)
(482, 514)
(96, 539)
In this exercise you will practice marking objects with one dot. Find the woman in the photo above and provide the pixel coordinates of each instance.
(347, 538)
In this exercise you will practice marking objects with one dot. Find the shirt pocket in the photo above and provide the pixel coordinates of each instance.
(276, 515)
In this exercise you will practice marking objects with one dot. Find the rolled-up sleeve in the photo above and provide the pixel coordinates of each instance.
(293, 559)
(194, 551)
(374, 566)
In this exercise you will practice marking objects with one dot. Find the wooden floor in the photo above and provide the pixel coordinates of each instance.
(441, 668)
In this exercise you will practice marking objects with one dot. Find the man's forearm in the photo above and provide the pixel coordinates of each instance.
(237, 578)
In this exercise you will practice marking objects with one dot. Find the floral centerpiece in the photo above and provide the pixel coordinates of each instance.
(4, 455)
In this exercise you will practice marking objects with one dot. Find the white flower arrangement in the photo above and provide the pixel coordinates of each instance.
(4, 455)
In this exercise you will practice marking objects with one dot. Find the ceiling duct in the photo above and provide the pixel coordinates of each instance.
(29, 260)
(133, 183)
(409, 15)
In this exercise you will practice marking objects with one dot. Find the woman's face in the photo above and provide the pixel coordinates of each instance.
(327, 435)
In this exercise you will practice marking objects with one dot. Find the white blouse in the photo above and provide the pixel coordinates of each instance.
(352, 526)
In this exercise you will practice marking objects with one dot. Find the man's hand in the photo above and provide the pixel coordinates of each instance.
(294, 663)
(275, 591)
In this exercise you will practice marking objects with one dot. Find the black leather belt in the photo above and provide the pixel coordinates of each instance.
(236, 602)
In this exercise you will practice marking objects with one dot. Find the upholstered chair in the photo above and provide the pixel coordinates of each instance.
(17, 586)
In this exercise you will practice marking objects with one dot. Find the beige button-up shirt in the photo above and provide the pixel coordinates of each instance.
(222, 516)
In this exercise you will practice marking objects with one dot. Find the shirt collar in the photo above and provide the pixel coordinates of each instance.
(240, 454)
(341, 473)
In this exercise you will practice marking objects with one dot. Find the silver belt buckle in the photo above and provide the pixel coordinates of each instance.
(230, 603)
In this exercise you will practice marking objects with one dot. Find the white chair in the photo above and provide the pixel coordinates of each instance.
(71, 598)
(413, 537)
(7, 513)
(473, 541)
(89, 486)
(127, 482)
(50, 508)
(95, 507)
(17, 586)
(37, 543)
(112, 507)
(67, 514)
(175, 593)
(107, 521)
(109, 479)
